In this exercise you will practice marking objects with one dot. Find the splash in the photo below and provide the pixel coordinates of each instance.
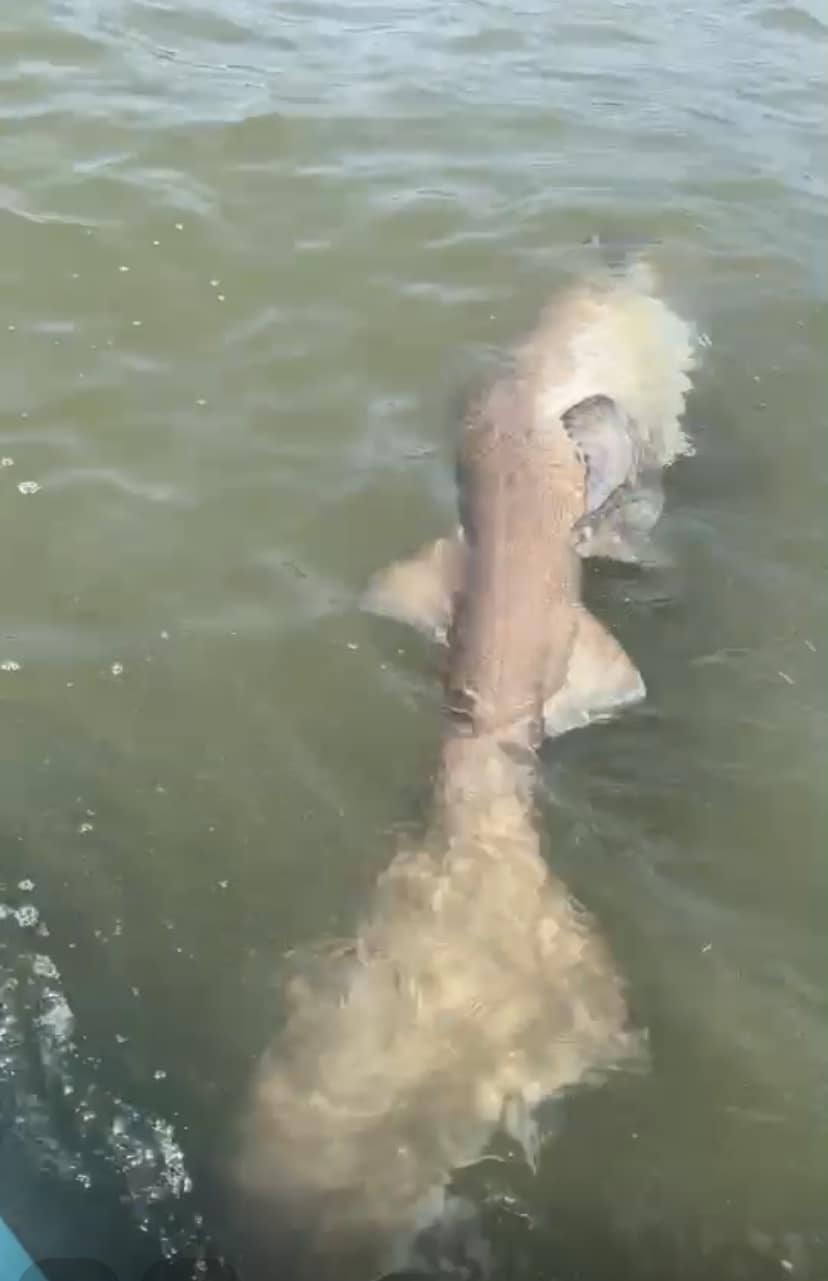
(475, 988)
(58, 1111)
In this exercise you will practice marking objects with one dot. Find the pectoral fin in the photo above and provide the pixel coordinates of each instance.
(602, 433)
(421, 590)
(600, 680)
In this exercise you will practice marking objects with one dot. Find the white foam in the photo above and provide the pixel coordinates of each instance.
(142, 1147)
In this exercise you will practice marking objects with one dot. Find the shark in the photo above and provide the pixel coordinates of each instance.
(475, 987)
(559, 460)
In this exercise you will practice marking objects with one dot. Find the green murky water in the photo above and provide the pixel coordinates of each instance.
(246, 252)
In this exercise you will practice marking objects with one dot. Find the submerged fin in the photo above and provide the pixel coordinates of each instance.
(600, 680)
(602, 434)
(421, 590)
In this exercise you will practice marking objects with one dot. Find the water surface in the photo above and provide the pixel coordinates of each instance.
(249, 254)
